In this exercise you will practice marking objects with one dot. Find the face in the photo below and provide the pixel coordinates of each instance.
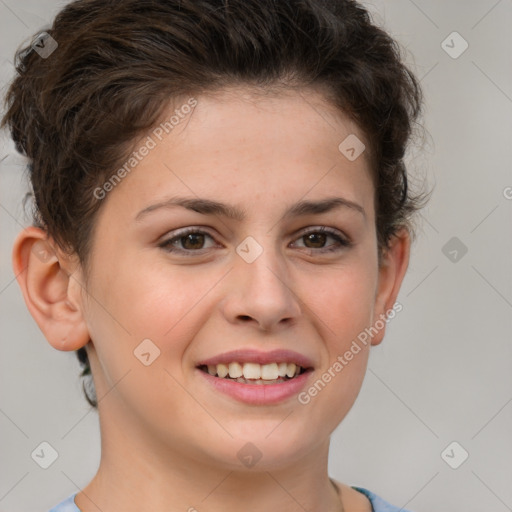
(173, 288)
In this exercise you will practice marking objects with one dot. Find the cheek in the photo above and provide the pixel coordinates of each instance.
(129, 307)
(138, 301)
(343, 300)
(348, 310)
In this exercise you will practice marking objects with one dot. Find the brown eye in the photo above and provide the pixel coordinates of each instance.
(189, 241)
(192, 240)
(316, 240)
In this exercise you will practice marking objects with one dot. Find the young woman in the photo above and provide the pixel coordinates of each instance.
(222, 227)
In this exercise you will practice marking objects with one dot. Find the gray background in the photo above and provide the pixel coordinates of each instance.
(444, 370)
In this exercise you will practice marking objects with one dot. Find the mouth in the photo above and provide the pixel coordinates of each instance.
(257, 378)
(255, 373)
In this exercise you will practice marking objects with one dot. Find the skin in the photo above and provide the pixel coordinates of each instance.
(169, 440)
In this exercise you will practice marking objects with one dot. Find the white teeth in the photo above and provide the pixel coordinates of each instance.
(269, 371)
(290, 372)
(252, 371)
(235, 370)
(222, 370)
(260, 374)
(258, 382)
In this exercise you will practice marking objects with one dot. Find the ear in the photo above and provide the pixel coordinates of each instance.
(392, 268)
(52, 294)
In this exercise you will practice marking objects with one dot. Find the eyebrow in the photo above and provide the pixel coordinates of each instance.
(211, 207)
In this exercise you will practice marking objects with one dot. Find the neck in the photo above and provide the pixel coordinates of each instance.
(136, 475)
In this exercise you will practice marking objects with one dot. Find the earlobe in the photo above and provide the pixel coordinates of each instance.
(52, 294)
(391, 273)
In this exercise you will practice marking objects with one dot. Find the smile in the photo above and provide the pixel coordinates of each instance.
(255, 377)
(254, 373)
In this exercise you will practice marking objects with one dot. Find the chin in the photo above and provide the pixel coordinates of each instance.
(261, 451)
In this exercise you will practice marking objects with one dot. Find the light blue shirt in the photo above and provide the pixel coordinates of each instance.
(378, 504)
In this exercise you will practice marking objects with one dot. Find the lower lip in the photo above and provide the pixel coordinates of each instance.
(258, 394)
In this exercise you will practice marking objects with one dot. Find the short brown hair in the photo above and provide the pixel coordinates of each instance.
(119, 62)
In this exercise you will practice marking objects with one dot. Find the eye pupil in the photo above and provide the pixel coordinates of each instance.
(192, 236)
(313, 236)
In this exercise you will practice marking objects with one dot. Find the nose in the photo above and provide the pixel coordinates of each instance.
(261, 292)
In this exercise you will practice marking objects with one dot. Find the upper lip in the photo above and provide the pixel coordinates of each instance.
(257, 356)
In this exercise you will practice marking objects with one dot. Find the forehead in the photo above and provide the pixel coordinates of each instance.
(237, 113)
(250, 145)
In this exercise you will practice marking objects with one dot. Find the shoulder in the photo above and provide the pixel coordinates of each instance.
(67, 505)
(378, 504)
(353, 500)
(362, 500)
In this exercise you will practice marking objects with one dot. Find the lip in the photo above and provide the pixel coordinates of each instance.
(257, 356)
(258, 394)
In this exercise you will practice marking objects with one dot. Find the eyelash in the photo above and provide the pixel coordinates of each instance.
(343, 242)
